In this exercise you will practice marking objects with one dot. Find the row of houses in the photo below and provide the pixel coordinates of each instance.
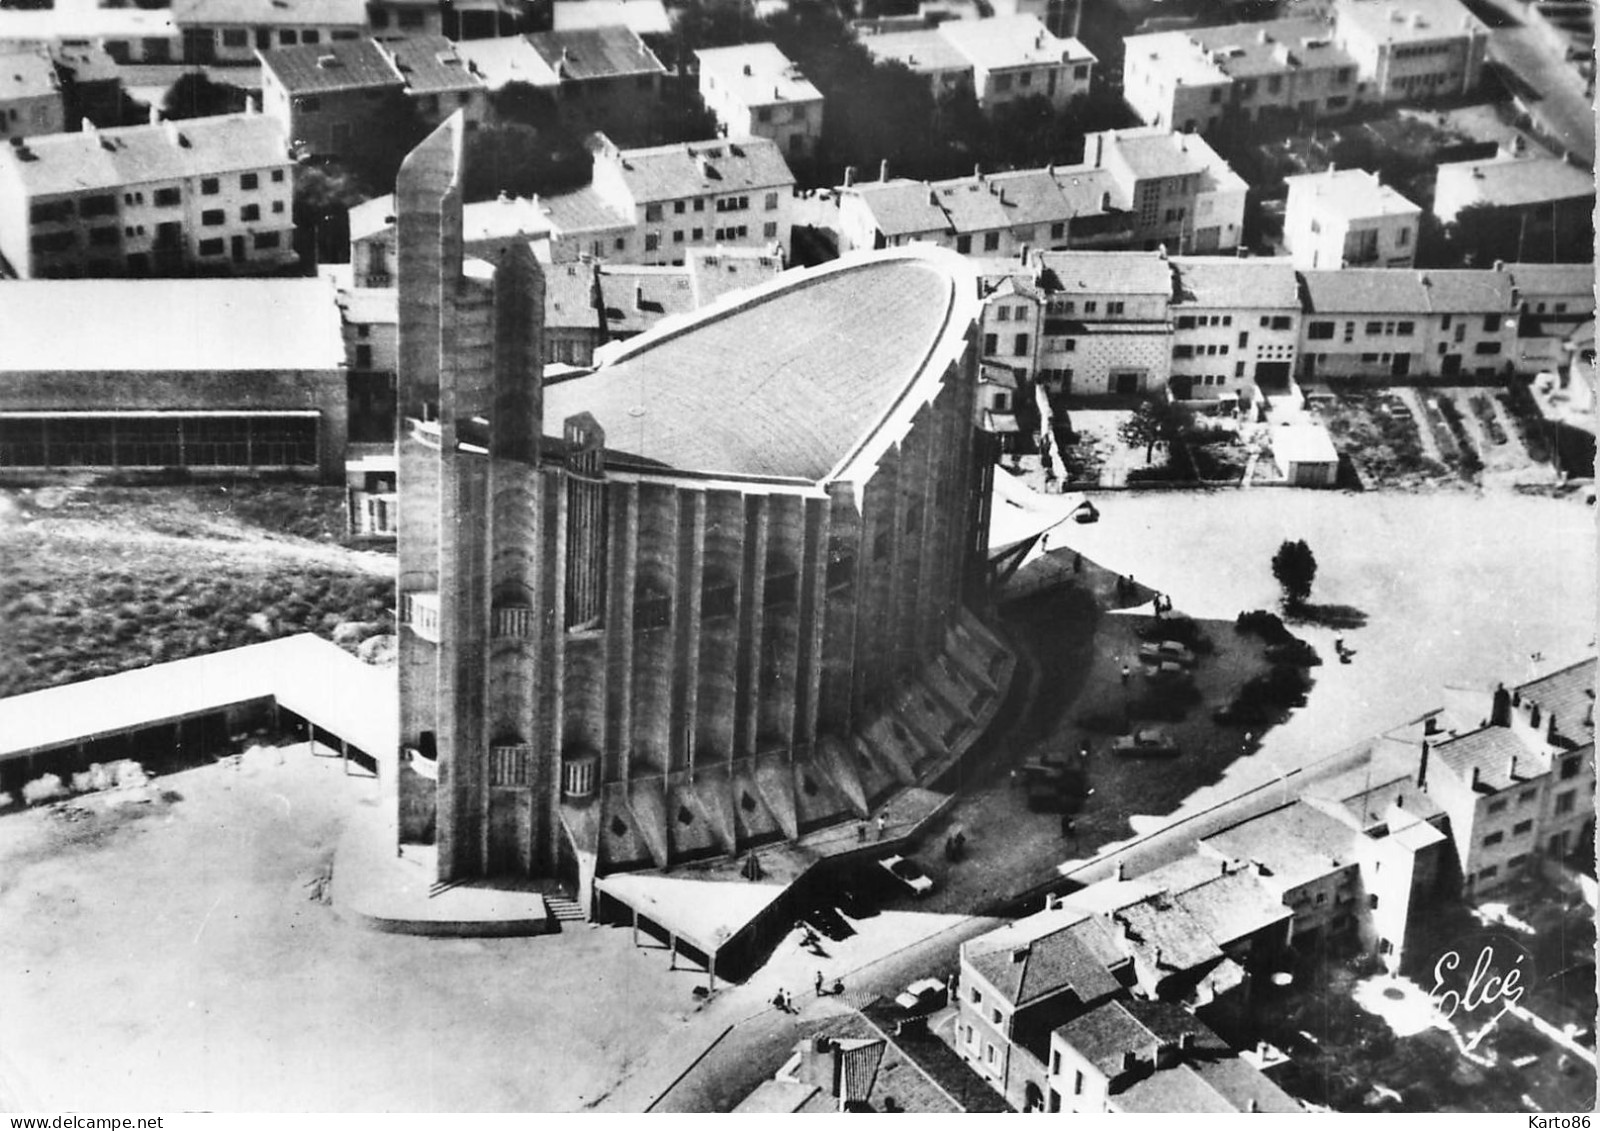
(1143, 187)
(1362, 52)
(1460, 801)
(1088, 323)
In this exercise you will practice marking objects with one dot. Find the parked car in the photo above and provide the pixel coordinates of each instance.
(1148, 741)
(1167, 651)
(923, 997)
(908, 875)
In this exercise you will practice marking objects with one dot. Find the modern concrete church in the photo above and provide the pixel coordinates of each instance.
(719, 592)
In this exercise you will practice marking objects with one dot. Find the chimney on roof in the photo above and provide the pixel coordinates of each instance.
(977, 173)
(1550, 727)
(88, 127)
(1477, 775)
(1422, 765)
(1513, 772)
(747, 70)
(883, 170)
(1500, 707)
(638, 296)
(1186, 1040)
(174, 135)
(1019, 955)
(1534, 715)
(849, 176)
(1262, 36)
(1130, 1060)
(1158, 957)
(1254, 1106)
(1430, 725)
(154, 117)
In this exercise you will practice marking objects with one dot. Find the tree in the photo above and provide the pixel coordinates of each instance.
(391, 129)
(1295, 567)
(195, 95)
(519, 160)
(1150, 423)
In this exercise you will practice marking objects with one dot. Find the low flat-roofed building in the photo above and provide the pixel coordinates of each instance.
(1304, 453)
(232, 31)
(202, 374)
(210, 195)
(756, 91)
(1548, 201)
(1348, 218)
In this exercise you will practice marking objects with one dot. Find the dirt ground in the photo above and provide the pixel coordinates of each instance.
(181, 937)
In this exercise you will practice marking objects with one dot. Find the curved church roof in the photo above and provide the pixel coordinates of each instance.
(799, 379)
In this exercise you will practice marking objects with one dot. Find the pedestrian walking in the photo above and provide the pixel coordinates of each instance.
(861, 833)
(788, 1002)
(883, 823)
(819, 983)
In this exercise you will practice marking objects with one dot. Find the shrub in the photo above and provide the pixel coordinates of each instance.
(42, 789)
(1295, 652)
(1267, 625)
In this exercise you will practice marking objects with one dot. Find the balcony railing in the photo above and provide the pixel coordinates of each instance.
(422, 614)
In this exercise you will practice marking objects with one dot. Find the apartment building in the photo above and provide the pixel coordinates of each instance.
(1235, 326)
(1153, 1057)
(1192, 80)
(1515, 772)
(206, 194)
(322, 96)
(1181, 194)
(755, 91)
(232, 31)
(30, 93)
(1412, 50)
(1107, 323)
(1019, 982)
(1348, 218)
(1373, 323)
(1556, 298)
(695, 194)
(1548, 201)
(1001, 60)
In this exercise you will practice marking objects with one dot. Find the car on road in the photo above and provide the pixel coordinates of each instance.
(923, 997)
(1166, 651)
(908, 875)
(1152, 741)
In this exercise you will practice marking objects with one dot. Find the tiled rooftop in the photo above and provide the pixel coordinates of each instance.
(1509, 181)
(1538, 279)
(1027, 971)
(357, 64)
(1151, 151)
(903, 208)
(136, 155)
(507, 59)
(757, 74)
(786, 384)
(1105, 272)
(1364, 289)
(1236, 283)
(431, 64)
(704, 168)
(1568, 694)
(27, 73)
(1467, 292)
(595, 53)
(1296, 845)
(1102, 1035)
(1234, 906)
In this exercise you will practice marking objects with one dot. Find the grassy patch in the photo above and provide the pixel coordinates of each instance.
(1383, 446)
(124, 577)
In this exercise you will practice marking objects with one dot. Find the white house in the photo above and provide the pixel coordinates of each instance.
(1348, 218)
